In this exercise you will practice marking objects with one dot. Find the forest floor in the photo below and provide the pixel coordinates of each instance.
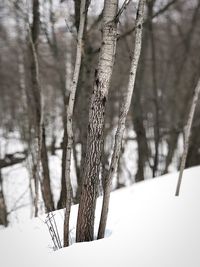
(148, 226)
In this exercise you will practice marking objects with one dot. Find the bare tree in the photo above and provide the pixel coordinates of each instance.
(156, 126)
(91, 168)
(70, 110)
(187, 135)
(122, 118)
(187, 42)
(40, 154)
(138, 111)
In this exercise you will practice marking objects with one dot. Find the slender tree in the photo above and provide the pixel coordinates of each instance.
(187, 136)
(70, 110)
(122, 118)
(187, 41)
(40, 154)
(144, 152)
(156, 126)
(63, 78)
(33, 33)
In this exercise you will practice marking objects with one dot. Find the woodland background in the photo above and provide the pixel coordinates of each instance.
(166, 77)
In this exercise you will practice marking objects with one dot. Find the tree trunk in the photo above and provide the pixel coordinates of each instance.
(82, 102)
(40, 156)
(3, 209)
(36, 97)
(138, 113)
(47, 196)
(122, 118)
(70, 110)
(63, 193)
(143, 151)
(156, 125)
(193, 158)
(91, 168)
(83, 97)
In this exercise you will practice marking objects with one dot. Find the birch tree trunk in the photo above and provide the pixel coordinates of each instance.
(122, 119)
(91, 168)
(187, 136)
(70, 110)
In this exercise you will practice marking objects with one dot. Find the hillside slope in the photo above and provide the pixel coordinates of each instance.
(148, 226)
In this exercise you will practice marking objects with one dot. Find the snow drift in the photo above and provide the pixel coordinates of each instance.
(147, 226)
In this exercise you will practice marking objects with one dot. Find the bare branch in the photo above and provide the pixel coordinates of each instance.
(158, 13)
(121, 10)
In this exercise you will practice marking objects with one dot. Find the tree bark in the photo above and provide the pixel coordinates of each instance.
(122, 118)
(91, 168)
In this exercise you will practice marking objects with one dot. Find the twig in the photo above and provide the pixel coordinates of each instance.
(121, 10)
(159, 12)
(71, 31)
(17, 201)
(53, 230)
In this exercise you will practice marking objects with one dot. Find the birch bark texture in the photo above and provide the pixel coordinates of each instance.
(94, 148)
(122, 118)
(70, 109)
(187, 135)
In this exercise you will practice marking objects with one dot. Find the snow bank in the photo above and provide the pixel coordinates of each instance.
(147, 226)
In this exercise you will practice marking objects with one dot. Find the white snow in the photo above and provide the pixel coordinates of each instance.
(148, 226)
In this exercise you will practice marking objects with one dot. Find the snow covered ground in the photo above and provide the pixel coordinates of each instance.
(148, 226)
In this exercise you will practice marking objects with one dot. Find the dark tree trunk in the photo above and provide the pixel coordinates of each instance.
(48, 198)
(39, 154)
(3, 209)
(138, 113)
(193, 158)
(83, 96)
(62, 200)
